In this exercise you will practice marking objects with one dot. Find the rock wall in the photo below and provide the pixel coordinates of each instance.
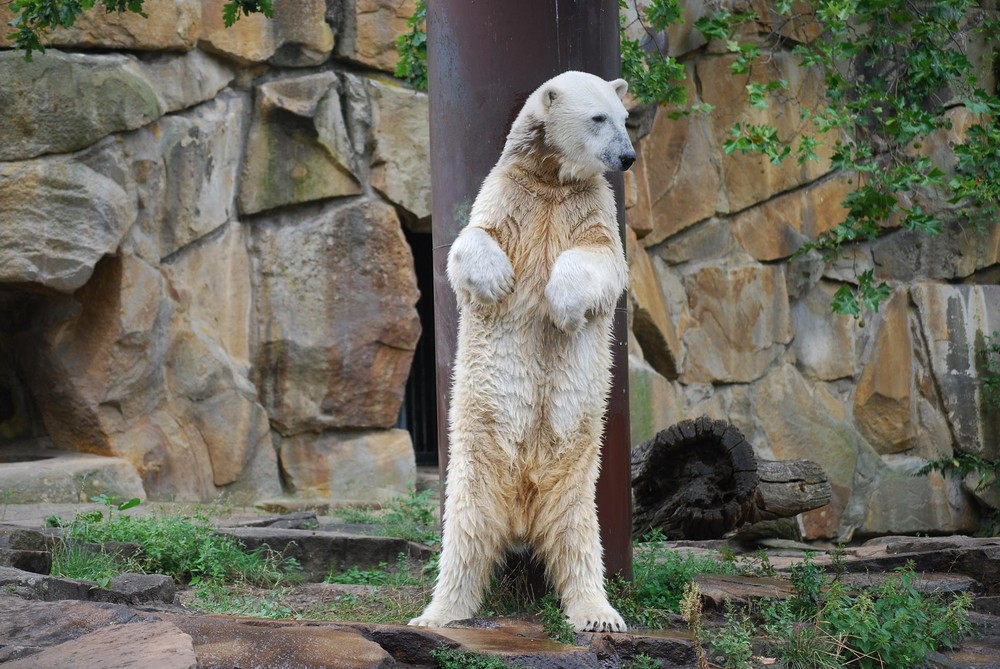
(726, 324)
(203, 271)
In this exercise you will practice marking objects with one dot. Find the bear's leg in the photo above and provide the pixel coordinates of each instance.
(569, 540)
(473, 535)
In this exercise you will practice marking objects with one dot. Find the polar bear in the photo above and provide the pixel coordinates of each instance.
(537, 273)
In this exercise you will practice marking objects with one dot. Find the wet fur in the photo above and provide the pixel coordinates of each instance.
(537, 272)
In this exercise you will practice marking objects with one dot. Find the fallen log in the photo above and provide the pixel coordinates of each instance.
(699, 479)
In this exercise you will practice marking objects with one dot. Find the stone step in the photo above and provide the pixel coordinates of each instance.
(33, 475)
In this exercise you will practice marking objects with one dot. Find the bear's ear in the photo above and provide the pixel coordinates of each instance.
(549, 95)
(620, 86)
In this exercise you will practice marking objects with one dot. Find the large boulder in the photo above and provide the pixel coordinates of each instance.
(61, 102)
(58, 217)
(297, 36)
(884, 399)
(298, 149)
(336, 323)
(167, 25)
(955, 321)
(368, 466)
(739, 323)
(400, 159)
(184, 170)
(368, 30)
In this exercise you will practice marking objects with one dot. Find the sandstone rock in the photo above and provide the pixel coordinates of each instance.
(400, 130)
(369, 30)
(954, 322)
(185, 80)
(297, 36)
(778, 227)
(61, 102)
(335, 294)
(221, 642)
(803, 423)
(169, 25)
(650, 323)
(683, 176)
(707, 240)
(824, 342)
(91, 373)
(350, 466)
(186, 167)
(298, 149)
(884, 401)
(747, 179)
(27, 585)
(654, 404)
(210, 283)
(58, 217)
(903, 503)
(954, 254)
(638, 210)
(740, 321)
(138, 588)
(154, 644)
(62, 477)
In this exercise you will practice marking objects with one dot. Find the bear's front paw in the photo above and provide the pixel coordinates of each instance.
(478, 268)
(567, 305)
(600, 618)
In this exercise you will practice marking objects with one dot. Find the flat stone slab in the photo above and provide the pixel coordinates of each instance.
(139, 646)
(33, 475)
(319, 552)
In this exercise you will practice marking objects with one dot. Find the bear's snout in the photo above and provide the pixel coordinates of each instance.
(627, 159)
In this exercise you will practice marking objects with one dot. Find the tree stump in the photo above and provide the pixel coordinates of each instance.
(699, 479)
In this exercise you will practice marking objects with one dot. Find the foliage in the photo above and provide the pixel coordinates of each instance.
(398, 576)
(990, 367)
(411, 518)
(555, 623)
(660, 576)
(185, 547)
(216, 597)
(962, 464)
(33, 18)
(412, 48)
(731, 645)
(652, 75)
(71, 559)
(452, 658)
(642, 661)
(894, 73)
(891, 625)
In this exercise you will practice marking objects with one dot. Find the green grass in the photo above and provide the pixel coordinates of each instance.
(183, 546)
(412, 518)
(452, 658)
(401, 574)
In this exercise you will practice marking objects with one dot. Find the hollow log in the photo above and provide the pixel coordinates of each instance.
(699, 479)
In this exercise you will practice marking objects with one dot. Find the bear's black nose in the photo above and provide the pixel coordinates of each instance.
(627, 160)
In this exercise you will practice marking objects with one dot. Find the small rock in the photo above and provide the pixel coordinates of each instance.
(139, 588)
(22, 539)
(45, 588)
(38, 562)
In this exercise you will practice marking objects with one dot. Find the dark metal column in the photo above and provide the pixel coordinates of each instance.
(484, 58)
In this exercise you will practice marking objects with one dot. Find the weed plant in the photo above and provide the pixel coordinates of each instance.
(555, 623)
(889, 626)
(183, 546)
(411, 518)
(659, 579)
(400, 575)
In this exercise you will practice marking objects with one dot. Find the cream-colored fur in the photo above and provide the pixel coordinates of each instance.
(538, 272)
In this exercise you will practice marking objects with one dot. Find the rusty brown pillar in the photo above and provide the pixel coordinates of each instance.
(484, 58)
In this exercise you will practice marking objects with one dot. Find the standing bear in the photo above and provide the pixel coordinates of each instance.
(537, 272)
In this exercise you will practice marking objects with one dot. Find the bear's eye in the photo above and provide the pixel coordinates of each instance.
(599, 118)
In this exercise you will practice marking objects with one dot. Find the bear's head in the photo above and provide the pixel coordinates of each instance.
(577, 120)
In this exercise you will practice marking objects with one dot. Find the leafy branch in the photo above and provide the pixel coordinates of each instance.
(34, 18)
